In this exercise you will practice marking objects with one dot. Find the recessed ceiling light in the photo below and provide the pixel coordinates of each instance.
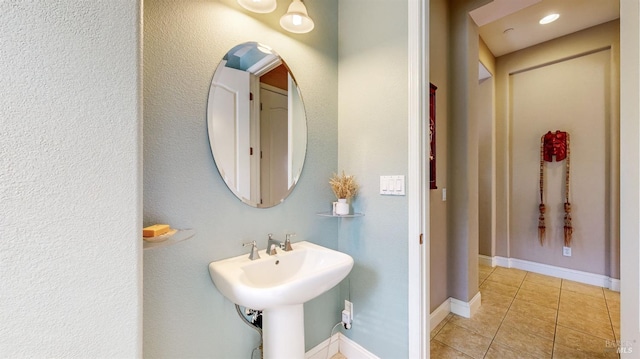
(549, 18)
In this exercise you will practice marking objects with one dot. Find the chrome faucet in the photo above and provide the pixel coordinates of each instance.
(254, 250)
(272, 244)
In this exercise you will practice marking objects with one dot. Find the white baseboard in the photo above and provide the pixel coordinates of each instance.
(502, 262)
(559, 272)
(486, 260)
(455, 306)
(339, 343)
(439, 314)
(320, 350)
(466, 309)
(353, 350)
(614, 284)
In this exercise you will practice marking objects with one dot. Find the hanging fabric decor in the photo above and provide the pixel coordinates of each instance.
(555, 144)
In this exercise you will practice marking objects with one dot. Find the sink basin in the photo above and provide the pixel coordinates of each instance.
(279, 285)
(286, 278)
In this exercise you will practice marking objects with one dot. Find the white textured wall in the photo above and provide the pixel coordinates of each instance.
(70, 255)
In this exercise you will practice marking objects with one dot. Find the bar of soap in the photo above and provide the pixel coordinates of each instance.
(155, 230)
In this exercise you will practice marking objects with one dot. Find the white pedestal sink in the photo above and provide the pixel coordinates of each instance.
(279, 285)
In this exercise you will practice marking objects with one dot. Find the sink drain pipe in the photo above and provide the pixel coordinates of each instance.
(255, 323)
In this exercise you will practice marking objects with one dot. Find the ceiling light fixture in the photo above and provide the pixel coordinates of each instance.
(265, 49)
(259, 6)
(549, 18)
(297, 19)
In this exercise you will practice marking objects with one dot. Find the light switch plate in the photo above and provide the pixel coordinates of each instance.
(392, 185)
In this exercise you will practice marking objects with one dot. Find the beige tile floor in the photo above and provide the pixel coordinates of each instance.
(528, 315)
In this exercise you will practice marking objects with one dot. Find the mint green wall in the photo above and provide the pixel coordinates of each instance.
(184, 314)
(373, 142)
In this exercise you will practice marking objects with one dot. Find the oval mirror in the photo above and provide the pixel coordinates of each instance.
(257, 125)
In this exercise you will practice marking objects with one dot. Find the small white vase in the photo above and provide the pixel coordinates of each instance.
(342, 207)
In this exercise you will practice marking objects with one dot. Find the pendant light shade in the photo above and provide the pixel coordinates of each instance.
(259, 6)
(296, 19)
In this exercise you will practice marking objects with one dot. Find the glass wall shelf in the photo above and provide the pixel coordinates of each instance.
(179, 236)
(330, 214)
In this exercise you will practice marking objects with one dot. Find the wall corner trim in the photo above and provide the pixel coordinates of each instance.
(486, 260)
(466, 309)
(614, 284)
(455, 306)
(339, 343)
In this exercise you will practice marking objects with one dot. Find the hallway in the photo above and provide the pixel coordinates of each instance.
(528, 315)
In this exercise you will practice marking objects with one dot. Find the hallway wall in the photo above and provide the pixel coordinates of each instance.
(438, 72)
(486, 165)
(486, 153)
(578, 78)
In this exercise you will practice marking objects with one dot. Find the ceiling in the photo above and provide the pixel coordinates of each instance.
(510, 25)
(252, 57)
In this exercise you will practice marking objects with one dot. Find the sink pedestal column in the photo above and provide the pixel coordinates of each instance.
(283, 332)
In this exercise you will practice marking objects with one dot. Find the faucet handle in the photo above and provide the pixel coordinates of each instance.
(254, 250)
(287, 241)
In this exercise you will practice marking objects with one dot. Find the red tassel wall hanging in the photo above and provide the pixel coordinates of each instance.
(555, 144)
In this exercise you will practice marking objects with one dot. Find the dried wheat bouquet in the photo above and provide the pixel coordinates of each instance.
(343, 186)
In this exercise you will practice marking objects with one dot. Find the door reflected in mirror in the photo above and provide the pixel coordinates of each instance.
(257, 125)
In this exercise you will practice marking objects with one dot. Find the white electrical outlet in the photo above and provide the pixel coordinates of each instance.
(566, 251)
(347, 314)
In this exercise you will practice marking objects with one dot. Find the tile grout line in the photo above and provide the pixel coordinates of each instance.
(555, 331)
(609, 302)
(579, 330)
(503, 318)
(606, 302)
(449, 346)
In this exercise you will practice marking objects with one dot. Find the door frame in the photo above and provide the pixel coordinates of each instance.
(630, 182)
(417, 188)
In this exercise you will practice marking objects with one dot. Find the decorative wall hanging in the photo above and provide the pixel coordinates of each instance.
(555, 144)
(432, 136)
